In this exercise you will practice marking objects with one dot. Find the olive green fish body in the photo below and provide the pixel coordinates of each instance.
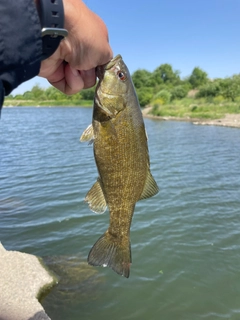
(121, 155)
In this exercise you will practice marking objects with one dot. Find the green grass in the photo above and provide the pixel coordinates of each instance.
(196, 108)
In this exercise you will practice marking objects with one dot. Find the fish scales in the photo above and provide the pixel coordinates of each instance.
(122, 159)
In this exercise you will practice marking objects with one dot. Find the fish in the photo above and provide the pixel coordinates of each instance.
(121, 154)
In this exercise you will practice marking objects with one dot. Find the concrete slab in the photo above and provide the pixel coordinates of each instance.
(22, 277)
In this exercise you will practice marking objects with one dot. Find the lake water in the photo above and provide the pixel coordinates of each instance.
(185, 240)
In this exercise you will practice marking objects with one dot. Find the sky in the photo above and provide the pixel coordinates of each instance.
(183, 33)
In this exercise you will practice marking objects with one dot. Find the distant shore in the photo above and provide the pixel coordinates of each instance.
(47, 103)
(230, 120)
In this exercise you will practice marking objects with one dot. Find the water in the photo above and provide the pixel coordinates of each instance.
(185, 240)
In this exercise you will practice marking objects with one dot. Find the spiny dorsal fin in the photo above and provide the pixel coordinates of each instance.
(150, 188)
(87, 135)
(95, 198)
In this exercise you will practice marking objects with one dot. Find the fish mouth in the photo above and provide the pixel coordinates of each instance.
(101, 69)
(112, 62)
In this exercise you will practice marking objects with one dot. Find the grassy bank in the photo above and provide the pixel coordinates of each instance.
(196, 108)
(48, 103)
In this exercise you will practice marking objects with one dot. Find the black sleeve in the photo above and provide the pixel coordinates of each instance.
(20, 44)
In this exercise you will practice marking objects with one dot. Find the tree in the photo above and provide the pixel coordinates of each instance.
(28, 95)
(18, 97)
(230, 87)
(54, 94)
(198, 77)
(142, 78)
(211, 89)
(88, 94)
(144, 95)
(38, 93)
(165, 74)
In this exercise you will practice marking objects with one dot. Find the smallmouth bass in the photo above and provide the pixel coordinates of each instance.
(121, 154)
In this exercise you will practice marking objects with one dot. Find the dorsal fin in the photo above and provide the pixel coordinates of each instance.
(150, 188)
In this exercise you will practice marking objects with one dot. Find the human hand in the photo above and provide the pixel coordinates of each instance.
(72, 66)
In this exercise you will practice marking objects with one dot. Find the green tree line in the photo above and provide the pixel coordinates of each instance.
(41, 96)
(162, 86)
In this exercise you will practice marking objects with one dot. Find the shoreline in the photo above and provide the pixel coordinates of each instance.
(47, 106)
(230, 120)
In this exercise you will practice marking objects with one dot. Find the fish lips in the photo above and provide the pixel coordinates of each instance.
(100, 70)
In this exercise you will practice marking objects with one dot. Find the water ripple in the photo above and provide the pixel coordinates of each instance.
(185, 240)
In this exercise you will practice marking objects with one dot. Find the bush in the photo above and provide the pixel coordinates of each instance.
(218, 99)
(194, 108)
(164, 96)
(158, 102)
(144, 95)
(155, 109)
(179, 92)
(211, 89)
(230, 87)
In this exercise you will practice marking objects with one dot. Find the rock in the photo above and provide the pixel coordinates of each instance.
(22, 279)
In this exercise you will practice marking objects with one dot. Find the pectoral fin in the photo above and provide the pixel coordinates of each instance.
(150, 188)
(95, 198)
(88, 135)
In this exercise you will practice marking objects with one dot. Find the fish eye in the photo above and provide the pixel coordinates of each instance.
(121, 75)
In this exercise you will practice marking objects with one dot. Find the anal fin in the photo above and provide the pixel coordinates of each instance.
(151, 188)
(95, 198)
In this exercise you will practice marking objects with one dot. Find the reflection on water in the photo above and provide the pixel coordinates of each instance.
(185, 241)
(8, 205)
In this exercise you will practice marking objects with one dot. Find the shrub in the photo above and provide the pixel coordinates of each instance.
(218, 99)
(194, 108)
(179, 92)
(158, 102)
(164, 95)
(144, 95)
(155, 109)
(230, 87)
(211, 89)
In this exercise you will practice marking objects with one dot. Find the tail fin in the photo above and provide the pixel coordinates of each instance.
(110, 252)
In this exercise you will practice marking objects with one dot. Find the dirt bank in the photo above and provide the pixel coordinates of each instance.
(230, 120)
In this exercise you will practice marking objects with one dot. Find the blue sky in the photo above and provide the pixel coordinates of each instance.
(183, 33)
